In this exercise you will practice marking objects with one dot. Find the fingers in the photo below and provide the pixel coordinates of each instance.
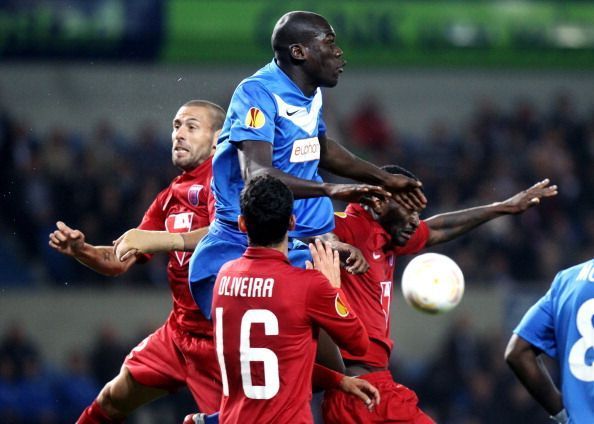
(356, 264)
(367, 393)
(376, 191)
(308, 265)
(124, 256)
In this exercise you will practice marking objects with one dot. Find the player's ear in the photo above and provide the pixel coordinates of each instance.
(241, 224)
(297, 51)
(215, 138)
(292, 222)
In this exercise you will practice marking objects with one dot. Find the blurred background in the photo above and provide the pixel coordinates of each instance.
(480, 99)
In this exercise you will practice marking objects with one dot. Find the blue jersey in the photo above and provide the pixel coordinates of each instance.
(268, 107)
(561, 325)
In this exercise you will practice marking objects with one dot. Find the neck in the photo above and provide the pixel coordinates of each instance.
(282, 247)
(295, 73)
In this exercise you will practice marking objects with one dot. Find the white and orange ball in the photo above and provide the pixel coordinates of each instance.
(432, 283)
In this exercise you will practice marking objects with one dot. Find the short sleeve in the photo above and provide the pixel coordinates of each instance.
(345, 229)
(253, 113)
(153, 220)
(328, 308)
(537, 326)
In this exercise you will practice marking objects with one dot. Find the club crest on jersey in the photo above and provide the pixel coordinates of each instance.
(179, 223)
(255, 118)
(341, 308)
(193, 193)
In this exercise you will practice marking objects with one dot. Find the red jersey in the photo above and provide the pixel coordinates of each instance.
(184, 206)
(370, 293)
(267, 315)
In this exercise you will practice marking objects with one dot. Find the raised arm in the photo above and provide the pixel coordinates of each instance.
(525, 361)
(100, 259)
(447, 226)
(255, 158)
(338, 160)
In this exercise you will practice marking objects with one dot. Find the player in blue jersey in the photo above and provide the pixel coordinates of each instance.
(560, 325)
(274, 126)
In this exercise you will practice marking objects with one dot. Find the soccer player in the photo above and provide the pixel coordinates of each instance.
(274, 126)
(181, 352)
(384, 230)
(267, 314)
(559, 325)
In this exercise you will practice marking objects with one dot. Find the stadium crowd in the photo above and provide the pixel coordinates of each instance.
(103, 183)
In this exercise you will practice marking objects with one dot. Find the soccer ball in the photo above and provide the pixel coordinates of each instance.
(432, 283)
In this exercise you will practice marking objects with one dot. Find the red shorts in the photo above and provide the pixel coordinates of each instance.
(398, 404)
(170, 359)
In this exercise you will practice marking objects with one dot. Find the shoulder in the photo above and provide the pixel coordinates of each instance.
(349, 225)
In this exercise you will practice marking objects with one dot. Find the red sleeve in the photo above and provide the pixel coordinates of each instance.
(417, 241)
(348, 228)
(324, 378)
(328, 308)
(154, 217)
(211, 201)
(153, 220)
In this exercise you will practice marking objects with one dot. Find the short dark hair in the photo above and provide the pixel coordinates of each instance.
(395, 169)
(217, 113)
(266, 205)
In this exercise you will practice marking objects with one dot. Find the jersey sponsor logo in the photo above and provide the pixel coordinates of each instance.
(340, 214)
(298, 115)
(255, 118)
(193, 194)
(305, 150)
(180, 223)
(340, 306)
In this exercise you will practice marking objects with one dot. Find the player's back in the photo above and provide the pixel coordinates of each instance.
(266, 314)
(572, 294)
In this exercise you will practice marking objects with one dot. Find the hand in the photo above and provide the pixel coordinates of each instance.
(530, 197)
(326, 261)
(66, 240)
(406, 191)
(354, 192)
(351, 258)
(127, 245)
(361, 389)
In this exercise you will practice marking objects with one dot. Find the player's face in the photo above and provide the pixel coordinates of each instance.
(399, 222)
(193, 137)
(324, 60)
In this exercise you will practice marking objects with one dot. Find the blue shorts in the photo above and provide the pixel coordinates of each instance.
(224, 243)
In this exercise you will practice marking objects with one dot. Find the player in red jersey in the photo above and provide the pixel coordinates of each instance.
(383, 231)
(267, 314)
(181, 352)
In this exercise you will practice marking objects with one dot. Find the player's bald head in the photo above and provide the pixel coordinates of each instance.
(297, 27)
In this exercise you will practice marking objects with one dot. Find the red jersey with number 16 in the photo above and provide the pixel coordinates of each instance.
(266, 317)
(370, 293)
(186, 205)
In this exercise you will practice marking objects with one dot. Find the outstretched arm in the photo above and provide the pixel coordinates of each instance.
(100, 259)
(137, 241)
(255, 158)
(338, 160)
(525, 361)
(447, 226)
